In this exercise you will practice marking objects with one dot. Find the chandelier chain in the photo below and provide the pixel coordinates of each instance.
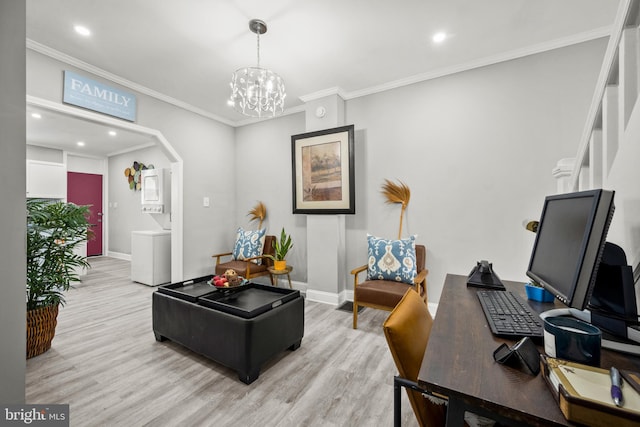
(258, 35)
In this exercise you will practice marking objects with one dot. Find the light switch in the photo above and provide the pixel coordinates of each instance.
(205, 202)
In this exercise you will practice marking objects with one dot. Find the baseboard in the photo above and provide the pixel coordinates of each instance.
(325, 297)
(433, 308)
(338, 299)
(118, 255)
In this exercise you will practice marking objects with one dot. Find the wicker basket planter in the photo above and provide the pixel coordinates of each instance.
(41, 327)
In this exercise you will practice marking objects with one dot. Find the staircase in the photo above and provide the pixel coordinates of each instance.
(609, 152)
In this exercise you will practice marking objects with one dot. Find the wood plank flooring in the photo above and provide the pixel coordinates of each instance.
(106, 364)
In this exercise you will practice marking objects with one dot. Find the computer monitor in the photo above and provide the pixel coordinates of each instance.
(569, 244)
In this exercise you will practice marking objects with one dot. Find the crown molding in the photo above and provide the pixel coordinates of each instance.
(324, 93)
(287, 112)
(483, 62)
(70, 60)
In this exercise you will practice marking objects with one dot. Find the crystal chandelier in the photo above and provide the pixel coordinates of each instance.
(255, 91)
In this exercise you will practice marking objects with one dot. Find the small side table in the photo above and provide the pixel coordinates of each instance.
(277, 273)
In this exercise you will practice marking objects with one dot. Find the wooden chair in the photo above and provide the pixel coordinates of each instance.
(385, 294)
(407, 330)
(247, 268)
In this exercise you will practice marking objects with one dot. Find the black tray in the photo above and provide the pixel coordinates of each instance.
(248, 301)
(189, 290)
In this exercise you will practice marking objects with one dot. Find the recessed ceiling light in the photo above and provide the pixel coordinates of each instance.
(112, 133)
(439, 37)
(36, 115)
(82, 30)
(80, 143)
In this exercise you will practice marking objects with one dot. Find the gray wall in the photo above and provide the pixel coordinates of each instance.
(265, 150)
(124, 209)
(12, 208)
(476, 148)
(207, 148)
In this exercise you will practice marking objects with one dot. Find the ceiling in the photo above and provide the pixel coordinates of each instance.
(185, 51)
(59, 130)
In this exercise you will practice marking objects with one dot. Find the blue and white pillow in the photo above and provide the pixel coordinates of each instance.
(392, 259)
(249, 244)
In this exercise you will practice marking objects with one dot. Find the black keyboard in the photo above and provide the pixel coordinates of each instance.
(509, 315)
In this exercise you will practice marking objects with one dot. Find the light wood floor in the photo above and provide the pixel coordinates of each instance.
(106, 364)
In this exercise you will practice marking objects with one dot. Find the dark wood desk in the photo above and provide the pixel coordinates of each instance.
(458, 363)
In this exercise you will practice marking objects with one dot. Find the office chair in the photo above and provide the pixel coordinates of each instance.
(407, 331)
(385, 294)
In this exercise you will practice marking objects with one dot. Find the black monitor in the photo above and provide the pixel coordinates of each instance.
(569, 244)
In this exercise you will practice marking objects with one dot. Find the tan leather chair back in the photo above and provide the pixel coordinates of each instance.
(407, 330)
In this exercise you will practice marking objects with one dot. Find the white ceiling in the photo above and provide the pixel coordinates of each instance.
(58, 130)
(187, 49)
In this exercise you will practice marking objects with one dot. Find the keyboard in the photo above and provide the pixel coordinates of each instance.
(509, 315)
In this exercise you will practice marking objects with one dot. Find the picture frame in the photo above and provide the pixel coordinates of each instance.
(323, 172)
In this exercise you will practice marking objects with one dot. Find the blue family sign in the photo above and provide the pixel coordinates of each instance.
(92, 95)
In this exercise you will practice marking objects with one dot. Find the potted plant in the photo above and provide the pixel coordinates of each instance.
(54, 230)
(281, 248)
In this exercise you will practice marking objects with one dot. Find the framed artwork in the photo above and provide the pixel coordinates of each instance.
(323, 172)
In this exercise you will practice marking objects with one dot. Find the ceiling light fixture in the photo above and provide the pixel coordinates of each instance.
(112, 133)
(36, 115)
(80, 143)
(255, 91)
(439, 37)
(82, 30)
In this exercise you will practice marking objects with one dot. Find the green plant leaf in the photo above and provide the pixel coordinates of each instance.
(54, 230)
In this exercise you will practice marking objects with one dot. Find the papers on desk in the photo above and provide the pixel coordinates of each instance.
(584, 394)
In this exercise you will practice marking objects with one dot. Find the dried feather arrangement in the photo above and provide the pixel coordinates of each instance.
(259, 212)
(397, 193)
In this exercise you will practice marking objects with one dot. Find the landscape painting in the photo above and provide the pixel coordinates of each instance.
(322, 172)
(323, 180)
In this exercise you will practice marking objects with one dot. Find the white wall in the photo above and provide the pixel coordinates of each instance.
(44, 154)
(476, 148)
(12, 208)
(624, 177)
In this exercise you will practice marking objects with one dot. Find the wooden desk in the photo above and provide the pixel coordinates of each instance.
(458, 363)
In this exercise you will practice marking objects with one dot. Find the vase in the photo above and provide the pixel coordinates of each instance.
(41, 327)
(280, 265)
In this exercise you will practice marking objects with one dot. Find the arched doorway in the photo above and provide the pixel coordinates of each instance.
(158, 139)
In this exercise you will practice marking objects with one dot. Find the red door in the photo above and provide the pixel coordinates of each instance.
(86, 189)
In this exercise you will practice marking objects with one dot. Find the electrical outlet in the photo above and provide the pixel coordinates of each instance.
(205, 202)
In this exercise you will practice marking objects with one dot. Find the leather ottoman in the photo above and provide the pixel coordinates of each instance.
(240, 328)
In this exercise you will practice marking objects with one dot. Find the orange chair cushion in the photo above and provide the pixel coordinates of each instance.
(407, 330)
(380, 292)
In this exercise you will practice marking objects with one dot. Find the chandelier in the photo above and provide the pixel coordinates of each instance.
(255, 91)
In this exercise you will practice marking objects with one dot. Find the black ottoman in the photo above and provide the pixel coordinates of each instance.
(240, 328)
